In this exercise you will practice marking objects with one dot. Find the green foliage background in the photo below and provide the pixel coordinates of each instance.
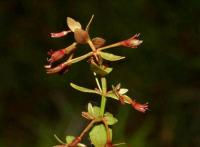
(164, 71)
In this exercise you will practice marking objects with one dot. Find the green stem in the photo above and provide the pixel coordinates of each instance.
(103, 98)
(97, 81)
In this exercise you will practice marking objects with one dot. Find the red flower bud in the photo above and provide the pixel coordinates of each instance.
(140, 107)
(133, 42)
(56, 55)
(59, 34)
(61, 68)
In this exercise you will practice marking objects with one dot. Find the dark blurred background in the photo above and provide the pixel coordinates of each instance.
(164, 70)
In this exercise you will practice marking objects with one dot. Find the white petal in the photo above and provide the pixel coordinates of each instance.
(123, 91)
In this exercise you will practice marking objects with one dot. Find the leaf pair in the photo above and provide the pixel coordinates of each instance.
(96, 112)
(98, 134)
(109, 94)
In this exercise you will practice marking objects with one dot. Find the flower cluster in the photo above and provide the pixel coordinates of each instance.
(81, 36)
(100, 121)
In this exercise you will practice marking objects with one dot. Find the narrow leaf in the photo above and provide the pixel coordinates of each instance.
(83, 89)
(110, 57)
(80, 58)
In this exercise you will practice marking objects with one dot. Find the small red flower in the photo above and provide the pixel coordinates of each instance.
(56, 55)
(140, 107)
(133, 42)
(59, 34)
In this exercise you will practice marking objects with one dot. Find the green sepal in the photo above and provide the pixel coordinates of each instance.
(98, 135)
(110, 57)
(83, 89)
(111, 120)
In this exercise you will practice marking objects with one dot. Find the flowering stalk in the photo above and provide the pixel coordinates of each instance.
(100, 121)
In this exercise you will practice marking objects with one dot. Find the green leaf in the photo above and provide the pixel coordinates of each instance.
(110, 119)
(107, 69)
(98, 135)
(69, 139)
(83, 89)
(75, 60)
(110, 57)
(100, 70)
(94, 110)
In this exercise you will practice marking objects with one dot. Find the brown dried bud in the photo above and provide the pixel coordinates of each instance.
(98, 42)
(81, 36)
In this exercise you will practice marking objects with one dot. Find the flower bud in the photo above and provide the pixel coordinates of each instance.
(56, 55)
(61, 68)
(98, 42)
(140, 107)
(81, 36)
(59, 34)
(133, 42)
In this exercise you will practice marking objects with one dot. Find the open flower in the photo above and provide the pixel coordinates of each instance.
(133, 42)
(140, 107)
